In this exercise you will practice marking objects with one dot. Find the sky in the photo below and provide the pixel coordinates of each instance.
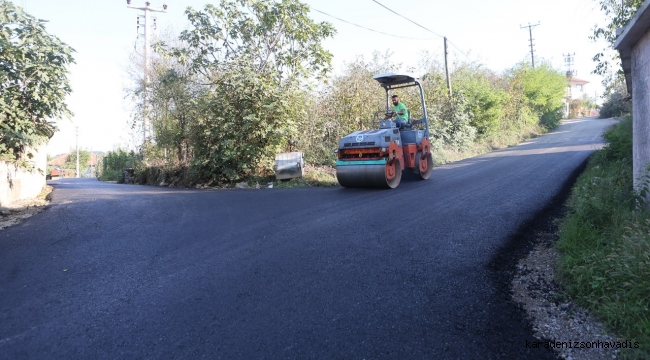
(103, 34)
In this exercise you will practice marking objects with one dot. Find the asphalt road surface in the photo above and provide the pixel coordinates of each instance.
(126, 271)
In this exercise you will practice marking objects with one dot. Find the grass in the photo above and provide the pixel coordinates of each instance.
(321, 176)
(605, 244)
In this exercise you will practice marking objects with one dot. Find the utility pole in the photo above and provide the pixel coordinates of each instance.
(147, 22)
(530, 33)
(447, 69)
(77, 171)
(568, 62)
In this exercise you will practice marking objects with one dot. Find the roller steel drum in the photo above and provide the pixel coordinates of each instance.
(368, 174)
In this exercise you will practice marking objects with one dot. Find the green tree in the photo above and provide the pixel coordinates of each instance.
(112, 164)
(449, 119)
(484, 97)
(71, 161)
(267, 36)
(544, 89)
(33, 81)
(176, 109)
(618, 14)
(617, 105)
(252, 58)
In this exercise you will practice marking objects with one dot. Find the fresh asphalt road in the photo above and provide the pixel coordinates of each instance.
(126, 271)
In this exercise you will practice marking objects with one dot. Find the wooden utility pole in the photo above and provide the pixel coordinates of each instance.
(530, 33)
(447, 69)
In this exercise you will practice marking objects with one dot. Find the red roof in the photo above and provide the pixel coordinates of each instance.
(578, 81)
(61, 159)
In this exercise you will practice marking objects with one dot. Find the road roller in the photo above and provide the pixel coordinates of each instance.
(376, 158)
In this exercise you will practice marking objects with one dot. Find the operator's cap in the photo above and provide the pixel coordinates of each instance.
(394, 96)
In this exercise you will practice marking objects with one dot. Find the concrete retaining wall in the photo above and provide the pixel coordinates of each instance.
(633, 44)
(640, 103)
(18, 184)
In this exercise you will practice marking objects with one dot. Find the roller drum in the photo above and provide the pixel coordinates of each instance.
(369, 175)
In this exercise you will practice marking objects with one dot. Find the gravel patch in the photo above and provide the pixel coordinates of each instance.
(20, 210)
(552, 315)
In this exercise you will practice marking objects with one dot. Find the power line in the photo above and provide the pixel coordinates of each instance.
(363, 27)
(459, 50)
(385, 7)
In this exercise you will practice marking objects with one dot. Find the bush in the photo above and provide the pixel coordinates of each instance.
(112, 164)
(543, 89)
(485, 100)
(616, 105)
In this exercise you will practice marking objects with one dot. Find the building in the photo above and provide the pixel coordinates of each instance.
(575, 91)
(87, 170)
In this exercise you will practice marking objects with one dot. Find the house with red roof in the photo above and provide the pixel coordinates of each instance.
(575, 90)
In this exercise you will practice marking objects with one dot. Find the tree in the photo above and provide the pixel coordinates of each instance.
(618, 14)
(265, 35)
(485, 99)
(544, 89)
(71, 161)
(175, 108)
(33, 81)
(248, 61)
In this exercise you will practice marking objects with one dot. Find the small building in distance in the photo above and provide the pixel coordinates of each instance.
(576, 88)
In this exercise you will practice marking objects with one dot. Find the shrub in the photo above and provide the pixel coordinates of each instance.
(616, 105)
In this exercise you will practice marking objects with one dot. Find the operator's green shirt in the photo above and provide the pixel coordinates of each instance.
(399, 107)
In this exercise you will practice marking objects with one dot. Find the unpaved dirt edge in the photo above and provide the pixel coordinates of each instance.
(20, 210)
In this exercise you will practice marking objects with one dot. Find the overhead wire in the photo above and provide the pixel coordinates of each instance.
(393, 11)
(431, 31)
(459, 50)
(363, 27)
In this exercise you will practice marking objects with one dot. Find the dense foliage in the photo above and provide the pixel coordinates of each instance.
(617, 103)
(71, 161)
(618, 14)
(33, 81)
(228, 99)
(111, 165)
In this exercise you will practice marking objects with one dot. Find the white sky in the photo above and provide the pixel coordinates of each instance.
(103, 34)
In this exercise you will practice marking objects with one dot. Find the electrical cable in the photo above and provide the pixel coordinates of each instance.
(459, 50)
(363, 27)
(385, 7)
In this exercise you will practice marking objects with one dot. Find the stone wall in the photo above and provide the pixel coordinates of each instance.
(640, 104)
(18, 184)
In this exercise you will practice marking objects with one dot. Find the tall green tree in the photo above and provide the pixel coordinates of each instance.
(265, 35)
(33, 81)
(544, 89)
(618, 14)
(84, 160)
(252, 58)
(485, 98)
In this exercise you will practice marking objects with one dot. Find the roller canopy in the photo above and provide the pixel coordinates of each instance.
(390, 79)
